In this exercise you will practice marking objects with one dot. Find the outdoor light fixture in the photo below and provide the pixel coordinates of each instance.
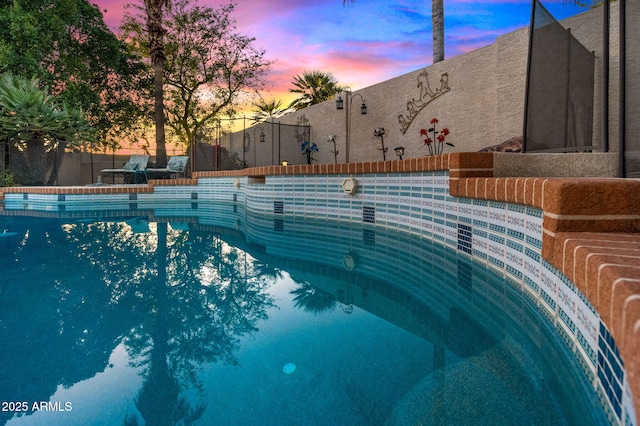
(285, 163)
(379, 132)
(399, 151)
(332, 138)
(340, 102)
(346, 104)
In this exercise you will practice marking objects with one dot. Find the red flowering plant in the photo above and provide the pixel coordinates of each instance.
(434, 139)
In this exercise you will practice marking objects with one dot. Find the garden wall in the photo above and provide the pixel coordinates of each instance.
(482, 103)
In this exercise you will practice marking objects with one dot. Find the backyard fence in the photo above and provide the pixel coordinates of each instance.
(559, 106)
(261, 144)
(560, 85)
(629, 90)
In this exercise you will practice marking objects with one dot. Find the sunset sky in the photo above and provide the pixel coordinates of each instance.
(365, 42)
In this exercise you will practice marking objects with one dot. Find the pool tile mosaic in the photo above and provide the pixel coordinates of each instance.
(505, 236)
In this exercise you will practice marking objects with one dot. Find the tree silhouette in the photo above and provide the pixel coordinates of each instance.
(312, 299)
(313, 87)
(176, 299)
(267, 110)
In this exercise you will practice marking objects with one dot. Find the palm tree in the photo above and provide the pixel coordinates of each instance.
(39, 126)
(314, 87)
(437, 22)
(265, 110)
(154, 11)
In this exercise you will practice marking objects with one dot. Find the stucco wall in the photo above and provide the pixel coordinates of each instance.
(485, 104)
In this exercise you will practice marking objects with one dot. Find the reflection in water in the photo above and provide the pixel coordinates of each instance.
(312, 299)
(202, 310)
(77, 290)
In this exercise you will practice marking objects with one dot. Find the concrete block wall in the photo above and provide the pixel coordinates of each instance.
(484, 107)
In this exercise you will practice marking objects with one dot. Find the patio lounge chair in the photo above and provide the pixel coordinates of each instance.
(176, 165)
(136, 167)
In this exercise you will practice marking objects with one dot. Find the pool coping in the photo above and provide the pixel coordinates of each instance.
(591, 226)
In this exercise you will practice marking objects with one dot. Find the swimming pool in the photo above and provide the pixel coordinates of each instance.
(157, 319)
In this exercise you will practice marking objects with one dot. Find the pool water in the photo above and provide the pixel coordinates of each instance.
(134, 320)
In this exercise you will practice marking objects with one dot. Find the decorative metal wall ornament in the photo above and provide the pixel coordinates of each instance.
(302, 128)
(427, 95)
(379, 132)
(332, 139)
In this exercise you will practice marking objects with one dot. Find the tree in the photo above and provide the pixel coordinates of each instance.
(39, 126)
(28, 111)
(265, 110)
(209, 68)
(154, 20)
(66, 45)
(437, 22)
(314, 87)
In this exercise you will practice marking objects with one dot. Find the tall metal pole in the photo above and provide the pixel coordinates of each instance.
(347, 143)
(623, 87)
(244, 139)
(528, 77)
(90, 156)
(193, 154)
(279, 141)
(606, 12)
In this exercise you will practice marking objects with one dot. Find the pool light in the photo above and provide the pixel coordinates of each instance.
(289, 368)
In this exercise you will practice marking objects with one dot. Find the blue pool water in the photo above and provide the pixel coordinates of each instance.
(139, 320)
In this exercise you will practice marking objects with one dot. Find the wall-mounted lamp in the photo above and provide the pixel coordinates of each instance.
(332, 138)
(399, 151)
(363, 108)
(340, 102)
(379, 132)
(285, 163)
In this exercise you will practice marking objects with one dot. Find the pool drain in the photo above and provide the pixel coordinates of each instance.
(289, 368)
